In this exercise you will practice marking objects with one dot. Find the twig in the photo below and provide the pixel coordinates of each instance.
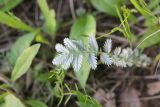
(36, 14)
(59, 9)
(116, 37)
(136, 77)
(142, 99)
(157, 67)
(71, 5)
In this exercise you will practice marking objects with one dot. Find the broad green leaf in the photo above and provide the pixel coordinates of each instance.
(13, 21)
(24, 61)
(12, 101)
(36, 103)
(81, 30)
(154, 39)
(84, 71)
(7, 5)
(19, 46)
(107, 6)
(49, 15)
(83, 27)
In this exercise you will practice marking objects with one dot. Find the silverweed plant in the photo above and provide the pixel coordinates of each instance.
(73, 52)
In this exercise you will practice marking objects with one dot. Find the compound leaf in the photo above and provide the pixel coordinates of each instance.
(81, 30)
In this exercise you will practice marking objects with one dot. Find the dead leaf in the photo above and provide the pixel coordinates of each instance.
(106, 99)
(130, 98)
(153, 88)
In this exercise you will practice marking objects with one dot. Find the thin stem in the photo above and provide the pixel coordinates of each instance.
(157, 67)
(147, 38)
(114, 29)
(107, 34)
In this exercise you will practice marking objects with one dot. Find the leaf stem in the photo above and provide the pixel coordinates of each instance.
(147, 38)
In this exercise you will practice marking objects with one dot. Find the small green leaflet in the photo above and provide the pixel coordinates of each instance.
(18, 47)
(81, 30)
(24, 61)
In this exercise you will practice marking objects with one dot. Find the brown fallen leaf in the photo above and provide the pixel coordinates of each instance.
(106, 99)
(130, 98)
(153, 88)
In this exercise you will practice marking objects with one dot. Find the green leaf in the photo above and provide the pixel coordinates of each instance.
(13, 21)
(2, 105)
(85, 100)
(49, 15)
(124, 21)
(12, 101)
(107, 6)
(24, 61)
(153, 4)
(19, 46)
(57, 90)
(43, 77)
(41, 39)
(154, 39)
(36, 103)
(141, 6)
(157, 58)
(84, 71)
(81, 29)
(2, 96)
(8, 5)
